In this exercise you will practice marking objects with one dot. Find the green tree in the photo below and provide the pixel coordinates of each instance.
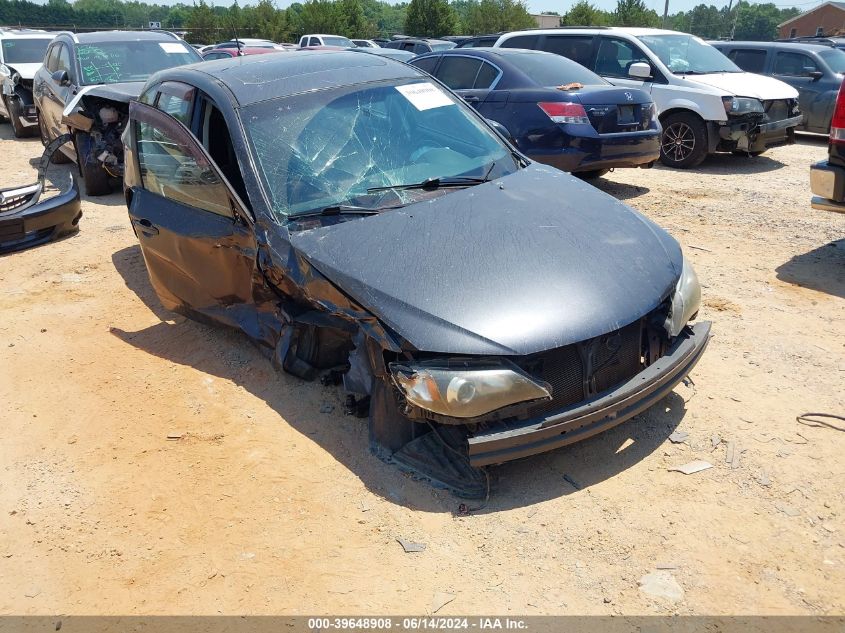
(584, 13)
(320, 16)
(758, 21)
(429, 18)
(203, 23)
(492, 16)
(634, 13)
(353, 20)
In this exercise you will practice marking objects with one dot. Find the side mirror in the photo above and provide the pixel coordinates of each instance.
(61, 77)
(501, 130)
(813, 73)
(639, 70)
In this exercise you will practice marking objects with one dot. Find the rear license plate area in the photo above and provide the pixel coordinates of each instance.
(625, 115)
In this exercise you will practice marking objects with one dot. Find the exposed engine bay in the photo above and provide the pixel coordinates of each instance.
(102, 122)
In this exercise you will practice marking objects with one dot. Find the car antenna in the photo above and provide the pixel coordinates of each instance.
(237, 39)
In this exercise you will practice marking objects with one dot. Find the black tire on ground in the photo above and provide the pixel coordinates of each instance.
(96, 178)
(591, 174)
(684, 141)
(14, 110)
(58, 157)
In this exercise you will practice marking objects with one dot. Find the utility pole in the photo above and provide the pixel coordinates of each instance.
(665, 13)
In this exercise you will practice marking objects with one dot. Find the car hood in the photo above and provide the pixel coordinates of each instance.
(26, 71)
(746, 85)
(533, 261)
(123, 92)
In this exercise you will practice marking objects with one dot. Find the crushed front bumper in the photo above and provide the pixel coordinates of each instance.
(754, 137)
(26, 220)
(827, 182)
(604, 411)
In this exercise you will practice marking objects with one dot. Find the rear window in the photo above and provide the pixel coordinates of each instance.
(750, 60)
(442, 46)
(338, 41)
(553, 70)
(575, 47)
(521, 41)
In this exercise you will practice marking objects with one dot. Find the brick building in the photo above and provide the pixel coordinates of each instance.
(825, 19)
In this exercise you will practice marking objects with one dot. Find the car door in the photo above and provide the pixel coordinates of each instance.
(195, 234)
(56, 94)
(459, 73)
(795, 68)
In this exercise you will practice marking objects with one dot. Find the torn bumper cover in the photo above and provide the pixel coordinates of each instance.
(26, 220)
(509, 441)
(747, 134)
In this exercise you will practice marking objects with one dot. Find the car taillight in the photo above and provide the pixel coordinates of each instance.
(837, 124)
(560, 112)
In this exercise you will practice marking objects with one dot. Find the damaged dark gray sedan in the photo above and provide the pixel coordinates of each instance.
(363, 225)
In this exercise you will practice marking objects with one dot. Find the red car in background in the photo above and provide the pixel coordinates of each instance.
(225, 53)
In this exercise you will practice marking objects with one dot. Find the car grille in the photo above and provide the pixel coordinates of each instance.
(11, 230)
(779, 109)
(579, 371)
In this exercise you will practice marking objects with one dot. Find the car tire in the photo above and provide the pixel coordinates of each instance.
(96, 179)
(591, 174)
(58, 157)
(684, 141)
(14, 110)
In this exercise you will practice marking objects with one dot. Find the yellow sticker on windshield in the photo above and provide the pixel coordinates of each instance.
(425, 96)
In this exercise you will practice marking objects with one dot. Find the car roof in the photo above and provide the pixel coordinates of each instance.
(630, 30)
(123, 36)
(798, 46)
(23, 35)
(255, 78)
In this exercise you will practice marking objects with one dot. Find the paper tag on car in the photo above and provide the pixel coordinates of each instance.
(425, 96)
(172, 47)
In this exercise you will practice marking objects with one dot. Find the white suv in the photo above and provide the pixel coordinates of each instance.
(21, 54)
(706, 103)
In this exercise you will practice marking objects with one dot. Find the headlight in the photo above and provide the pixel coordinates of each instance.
(742, 105)
(685, 301)
(466, 391)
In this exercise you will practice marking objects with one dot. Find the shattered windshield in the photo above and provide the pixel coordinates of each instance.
(333, 147)
(113, 62)
(25, 51)
(688, 55)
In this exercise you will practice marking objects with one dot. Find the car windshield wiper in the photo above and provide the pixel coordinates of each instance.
(342, 209)
(438, 183)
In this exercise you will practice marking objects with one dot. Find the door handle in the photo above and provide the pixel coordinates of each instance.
(146, 227)
(472, 99)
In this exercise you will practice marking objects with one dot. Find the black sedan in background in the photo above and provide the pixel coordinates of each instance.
(555, 110)
(362, 224)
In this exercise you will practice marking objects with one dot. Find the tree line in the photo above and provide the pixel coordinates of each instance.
(370, 18)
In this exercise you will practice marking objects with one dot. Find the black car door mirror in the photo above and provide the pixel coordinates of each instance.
(813, 73)
(61, 77)
(501, 130)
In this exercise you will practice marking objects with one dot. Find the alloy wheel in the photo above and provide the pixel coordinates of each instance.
(678, 141)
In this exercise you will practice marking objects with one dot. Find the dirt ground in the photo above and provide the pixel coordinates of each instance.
(271, 503)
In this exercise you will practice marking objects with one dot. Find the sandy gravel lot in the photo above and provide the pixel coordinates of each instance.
(268, 505)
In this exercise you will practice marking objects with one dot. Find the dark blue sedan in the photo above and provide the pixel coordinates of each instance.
(556, 111)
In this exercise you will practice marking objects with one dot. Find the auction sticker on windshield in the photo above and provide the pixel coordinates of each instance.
(172, 47)
(425, 96)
